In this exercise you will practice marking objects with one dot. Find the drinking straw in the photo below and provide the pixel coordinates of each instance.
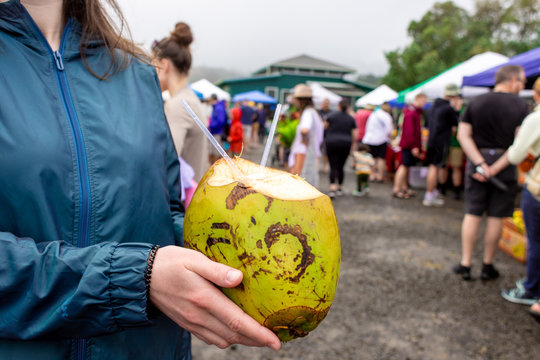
(270, 136)
(212, 140)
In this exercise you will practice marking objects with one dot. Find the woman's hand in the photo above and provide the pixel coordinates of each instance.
(182, 287)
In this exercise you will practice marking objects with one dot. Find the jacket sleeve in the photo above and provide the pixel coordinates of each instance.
(57, 289)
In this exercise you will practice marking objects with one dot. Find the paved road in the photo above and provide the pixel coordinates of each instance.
(397, 297)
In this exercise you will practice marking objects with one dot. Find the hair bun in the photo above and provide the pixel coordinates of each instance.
(182, 34)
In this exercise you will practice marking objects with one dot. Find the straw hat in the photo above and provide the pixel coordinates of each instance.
(302, 91)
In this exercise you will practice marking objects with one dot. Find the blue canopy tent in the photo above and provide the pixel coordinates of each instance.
(255, 96)
(530, 61)
(198, 93)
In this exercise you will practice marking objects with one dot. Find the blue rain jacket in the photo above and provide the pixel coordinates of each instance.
(89, 180)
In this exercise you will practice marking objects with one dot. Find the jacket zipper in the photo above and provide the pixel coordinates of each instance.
(80, 151)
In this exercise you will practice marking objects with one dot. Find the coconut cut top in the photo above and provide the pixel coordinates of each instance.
(271, 182)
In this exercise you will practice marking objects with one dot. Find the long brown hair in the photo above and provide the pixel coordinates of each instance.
(97, 24)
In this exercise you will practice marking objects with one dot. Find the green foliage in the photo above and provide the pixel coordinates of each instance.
(286, 130)
(447, 35)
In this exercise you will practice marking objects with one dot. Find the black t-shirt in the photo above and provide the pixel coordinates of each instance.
(441, 117)
(340, 126)
(494, 118)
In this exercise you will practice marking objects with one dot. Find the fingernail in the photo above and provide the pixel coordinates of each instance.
(274, 346)
(233, 276)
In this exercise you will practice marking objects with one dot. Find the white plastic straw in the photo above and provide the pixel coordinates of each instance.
(270, 136)
(212, 140)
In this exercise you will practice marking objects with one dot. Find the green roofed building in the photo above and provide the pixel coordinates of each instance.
(279, 79)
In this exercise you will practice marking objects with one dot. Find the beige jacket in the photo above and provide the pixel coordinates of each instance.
(528, 141)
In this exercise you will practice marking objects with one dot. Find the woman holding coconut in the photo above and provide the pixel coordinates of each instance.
(89, 193)
(306, 147)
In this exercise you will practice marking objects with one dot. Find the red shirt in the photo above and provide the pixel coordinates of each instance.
(411, 133)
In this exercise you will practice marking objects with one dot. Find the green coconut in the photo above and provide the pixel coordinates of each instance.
(283, 235)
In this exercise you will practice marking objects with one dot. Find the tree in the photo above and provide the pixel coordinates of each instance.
(447, 35)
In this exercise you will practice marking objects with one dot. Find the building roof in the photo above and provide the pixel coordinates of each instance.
(307, 62)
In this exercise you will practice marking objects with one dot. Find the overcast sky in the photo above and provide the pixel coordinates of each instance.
(246, 35)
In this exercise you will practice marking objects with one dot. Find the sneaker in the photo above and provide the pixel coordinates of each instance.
(520, 283)
(433, 201)
(366, 190)
(518, 296)
(339, 192)
(359, 193)
(489, 272)
(331, 194)
(464, 271)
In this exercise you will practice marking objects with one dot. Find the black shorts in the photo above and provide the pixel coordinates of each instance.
(485, 198)
(436, 155)
(378, 151)
(407, 158)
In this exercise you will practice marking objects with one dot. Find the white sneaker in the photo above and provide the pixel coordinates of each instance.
(436, 201)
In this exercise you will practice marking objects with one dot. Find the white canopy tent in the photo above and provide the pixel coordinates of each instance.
(377, 97)
(207, 89)
(434, 87)
(320, 93)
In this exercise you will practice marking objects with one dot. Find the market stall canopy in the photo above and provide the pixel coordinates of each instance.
(377, 97)
(255, 96)
(320, 93)
(434, 87)
(198, 93)
(206, 88)
(530, 61)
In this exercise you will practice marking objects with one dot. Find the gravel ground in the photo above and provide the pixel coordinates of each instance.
(397, 297)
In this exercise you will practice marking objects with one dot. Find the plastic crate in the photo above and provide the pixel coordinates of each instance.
(417, 176)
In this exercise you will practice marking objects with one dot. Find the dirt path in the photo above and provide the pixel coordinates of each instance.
(397, 297)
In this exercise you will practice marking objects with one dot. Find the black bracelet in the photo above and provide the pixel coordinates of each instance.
(148, 272)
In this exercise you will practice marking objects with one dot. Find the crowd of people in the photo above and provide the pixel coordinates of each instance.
(84, 271)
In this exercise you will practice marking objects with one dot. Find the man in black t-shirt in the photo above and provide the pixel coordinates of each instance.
(486, 130)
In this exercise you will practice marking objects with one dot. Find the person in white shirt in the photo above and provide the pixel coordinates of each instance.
(306, 147)
(379, 128)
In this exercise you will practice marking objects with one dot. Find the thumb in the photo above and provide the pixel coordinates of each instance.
(219, 274)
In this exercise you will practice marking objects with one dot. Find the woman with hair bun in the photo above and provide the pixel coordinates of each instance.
(172, 58)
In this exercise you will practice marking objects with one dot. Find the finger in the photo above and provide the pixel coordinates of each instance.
(238, 321)
(219, 274)
(216, 333)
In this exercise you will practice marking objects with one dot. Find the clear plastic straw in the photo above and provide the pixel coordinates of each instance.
(214, 142)
(270, 136)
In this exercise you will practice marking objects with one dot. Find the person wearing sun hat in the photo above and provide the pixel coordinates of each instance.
(441, 118)
(306, 147)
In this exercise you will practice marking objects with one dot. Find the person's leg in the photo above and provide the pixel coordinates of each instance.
(431, 197)
(431, 179)
(333, 159)
(469, 234)
(491, 238)
(381, 164)
(365, 182)
(531, 216)
(343, 155)
(397, 179)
